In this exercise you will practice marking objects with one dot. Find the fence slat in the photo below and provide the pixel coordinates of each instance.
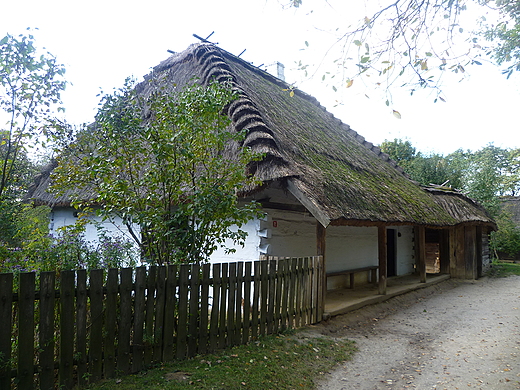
(239, 302)
(255, 317)
(46, 337)
(95, 353)
(26, 331)
(67, 320)
(284, 290)
(222, 334)
(6, 314)
(81, 327)
(264, 290)
(246, 315)
(125, 321)
(204, 309)
(215, 309)
(159, 313)
(150, 316)
(139, 316)
(170, 314)
(182, 327)
(194, 310)
(111, 298)
(232, 287)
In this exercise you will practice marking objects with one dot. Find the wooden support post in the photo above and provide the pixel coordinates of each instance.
(420, 252)
(321, 234)
(381, 246)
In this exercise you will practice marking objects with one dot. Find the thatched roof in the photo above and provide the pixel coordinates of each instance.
(337, 175)
(460, 207)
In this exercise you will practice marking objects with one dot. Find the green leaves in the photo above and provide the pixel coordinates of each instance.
(175, 174)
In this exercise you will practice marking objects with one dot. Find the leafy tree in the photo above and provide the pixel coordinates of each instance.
(30, 86)
(163, 163)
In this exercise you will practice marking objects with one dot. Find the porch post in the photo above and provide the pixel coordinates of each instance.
(381, 246)
(321, 234)
(420, 252)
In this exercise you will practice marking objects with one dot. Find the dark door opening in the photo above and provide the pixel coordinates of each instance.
(391, 252)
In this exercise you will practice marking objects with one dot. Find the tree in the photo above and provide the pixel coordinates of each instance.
(30, 87)
(165, 164)
(413, 42)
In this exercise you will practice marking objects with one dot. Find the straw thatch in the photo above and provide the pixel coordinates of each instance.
(337, 175)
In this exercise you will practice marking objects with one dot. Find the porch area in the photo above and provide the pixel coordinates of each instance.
(345, 300)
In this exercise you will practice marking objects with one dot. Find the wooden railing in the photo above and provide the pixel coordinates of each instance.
(80, 327)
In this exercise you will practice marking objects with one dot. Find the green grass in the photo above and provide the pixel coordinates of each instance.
(501, 269)
(288, 361)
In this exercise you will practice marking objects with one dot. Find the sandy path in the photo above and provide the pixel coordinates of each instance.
(455, 335)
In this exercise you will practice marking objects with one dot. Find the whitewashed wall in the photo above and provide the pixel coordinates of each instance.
(66, 216)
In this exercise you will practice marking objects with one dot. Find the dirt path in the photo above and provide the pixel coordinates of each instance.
(455, 335)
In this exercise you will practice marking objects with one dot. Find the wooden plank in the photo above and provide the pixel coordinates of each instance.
(321, 240)
(283, 282)
(271, 295)
(322, 291)
(139, 317)
(298, 293)
(215, 309)
(81, 328)
(46, 330)
(95, 365)
(224, 288)
(232, 290)
(111, 306)
(306, 292)
(150, 316)
(292, 292)
(246, 315)
(67, 320)
(470, 252)
(382, 256)
(255, 317)
(278, 280)
(182, 325)
(239, 304)
(479, 252)
(125, 321)
(193, 325)
(170, 314)
(264, 290)
(26, 324)
(204, 309)
(160, 298)
(6, 314)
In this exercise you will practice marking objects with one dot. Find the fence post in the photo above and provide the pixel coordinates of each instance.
(81, 327)
(139, 317)
(67, 320)
(125, 321)
(95, 365)
(6, 314)
(170, 314)
(109, 348)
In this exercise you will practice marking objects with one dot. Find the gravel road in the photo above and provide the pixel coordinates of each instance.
(454, 335)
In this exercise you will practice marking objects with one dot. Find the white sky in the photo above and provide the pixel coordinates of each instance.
(103, 42)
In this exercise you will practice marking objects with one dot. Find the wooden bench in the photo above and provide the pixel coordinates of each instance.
(351, 272)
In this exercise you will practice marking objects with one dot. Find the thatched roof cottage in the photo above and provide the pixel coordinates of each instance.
(326, 190)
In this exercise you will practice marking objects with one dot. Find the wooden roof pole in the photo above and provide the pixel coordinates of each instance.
(420, 252)
(321, 235)
(382, 254)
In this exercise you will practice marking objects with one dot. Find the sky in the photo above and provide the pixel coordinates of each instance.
(103, 42)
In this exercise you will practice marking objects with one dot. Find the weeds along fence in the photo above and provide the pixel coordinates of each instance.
(76, 328)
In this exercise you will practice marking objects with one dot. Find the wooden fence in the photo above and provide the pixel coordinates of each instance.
(80, 327)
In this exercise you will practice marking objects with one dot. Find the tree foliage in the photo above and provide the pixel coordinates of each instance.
(30, 87)
(413, 43)
(163, 165)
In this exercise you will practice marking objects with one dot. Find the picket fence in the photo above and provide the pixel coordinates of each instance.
(81, 327)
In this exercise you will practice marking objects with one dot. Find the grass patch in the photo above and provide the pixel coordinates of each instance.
(501, 269)
(288, 361)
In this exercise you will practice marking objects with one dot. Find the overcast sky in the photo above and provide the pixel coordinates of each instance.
(103, 42)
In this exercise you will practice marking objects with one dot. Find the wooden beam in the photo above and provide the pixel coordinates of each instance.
(321, 235)
(381, 246)
(420, 252)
